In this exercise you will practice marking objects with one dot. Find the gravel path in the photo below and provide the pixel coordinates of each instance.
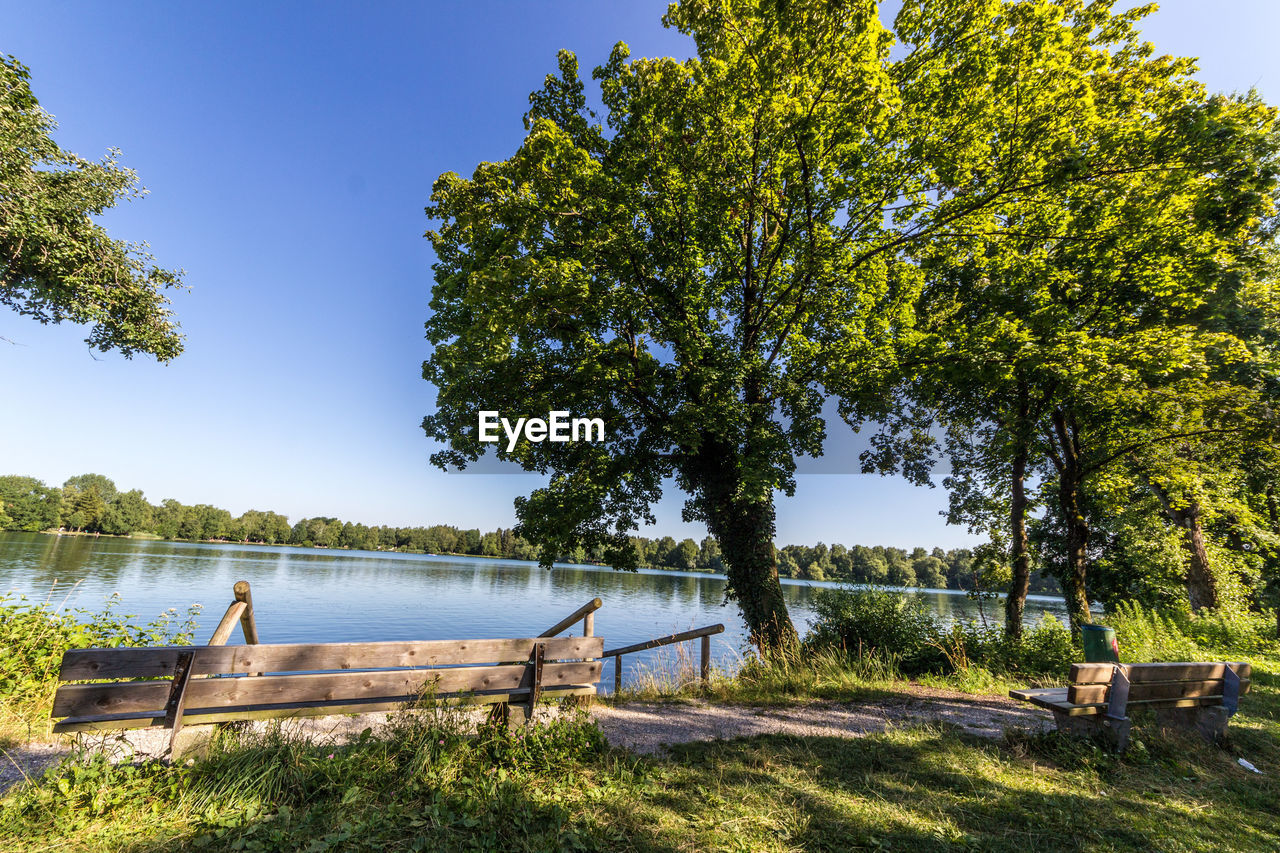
(639, 726)
(648, 728)
(28, 761)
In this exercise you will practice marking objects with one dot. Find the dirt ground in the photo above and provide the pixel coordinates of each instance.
(647, 728)
(638, 726)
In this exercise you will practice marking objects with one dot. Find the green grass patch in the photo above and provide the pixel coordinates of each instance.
(33, 638)
(429, 782)
(428, 785)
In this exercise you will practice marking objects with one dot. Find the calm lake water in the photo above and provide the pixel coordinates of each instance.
(319, 595)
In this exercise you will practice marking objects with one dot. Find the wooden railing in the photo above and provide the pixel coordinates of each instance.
(586, 613)
(241, 610)
(704, 669)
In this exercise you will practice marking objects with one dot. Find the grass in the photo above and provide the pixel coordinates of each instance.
(33, 638)
(430, 783)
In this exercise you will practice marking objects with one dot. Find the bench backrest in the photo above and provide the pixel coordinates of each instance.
(257, 681)
(1158, 685)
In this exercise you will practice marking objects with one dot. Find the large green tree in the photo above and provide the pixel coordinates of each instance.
(56, 263)
(1070, 329)
(726, 249)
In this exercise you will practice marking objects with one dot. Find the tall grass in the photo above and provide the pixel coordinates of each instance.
(1148, 635)
(34, 636)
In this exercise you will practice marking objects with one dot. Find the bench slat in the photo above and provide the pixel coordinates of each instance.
(78, 700)
(150, 662)
(1086, 694)
(1045, 697)
(112, 722)
(1100, 673)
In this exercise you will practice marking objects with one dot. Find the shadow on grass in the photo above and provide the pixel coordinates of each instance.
(915, 788)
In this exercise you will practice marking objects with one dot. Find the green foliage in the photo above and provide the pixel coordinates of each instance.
(34, 636)
(1145, 634)
(57, 263)
(28, 504)
(1045, 649)
(876, 624)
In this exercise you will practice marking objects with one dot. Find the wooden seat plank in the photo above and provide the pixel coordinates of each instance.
(157, 662)
(1054, 699)
(75, 700)
(1086, 694)
(200, 716)
(1100, 673)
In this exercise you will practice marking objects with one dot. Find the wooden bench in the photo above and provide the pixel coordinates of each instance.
(176, 686)
(1201, 696)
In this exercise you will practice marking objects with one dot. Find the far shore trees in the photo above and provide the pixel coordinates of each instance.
(28, 505)
(56, 264)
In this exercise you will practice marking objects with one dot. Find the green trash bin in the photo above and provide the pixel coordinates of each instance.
(1100, 644)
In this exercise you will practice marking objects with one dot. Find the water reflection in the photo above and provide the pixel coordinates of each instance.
(317, 595)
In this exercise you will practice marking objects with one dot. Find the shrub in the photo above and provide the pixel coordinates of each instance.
(1149, 635)
(1043, 649)
(877, 623)
(33, 638)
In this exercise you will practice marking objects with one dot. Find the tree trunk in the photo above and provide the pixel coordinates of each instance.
(1019, 547)
(1070, 480)
(745, 530)
(1202, 587)
(744, 526)
(1020, 550)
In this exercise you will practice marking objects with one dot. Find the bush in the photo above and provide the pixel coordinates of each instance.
(1148, 635)
(33, 638)
(878, 623)
(1044, 649)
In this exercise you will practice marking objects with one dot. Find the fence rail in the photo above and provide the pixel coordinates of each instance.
(704, 670)
(586, 613)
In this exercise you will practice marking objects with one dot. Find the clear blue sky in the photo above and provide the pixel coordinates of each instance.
(289, 149)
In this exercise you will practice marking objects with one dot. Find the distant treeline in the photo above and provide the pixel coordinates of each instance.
(91, 503)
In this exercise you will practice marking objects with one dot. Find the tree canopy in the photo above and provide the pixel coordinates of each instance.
(789, 216)
(56, 263)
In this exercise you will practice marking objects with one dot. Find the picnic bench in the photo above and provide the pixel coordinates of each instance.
(176, 686)
(1199, 696)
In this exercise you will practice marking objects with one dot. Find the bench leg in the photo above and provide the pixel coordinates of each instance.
(191, 742)
(1114, 731)
(1209, 720)
(512, 715)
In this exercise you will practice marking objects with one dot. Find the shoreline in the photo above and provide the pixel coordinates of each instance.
(995, 596)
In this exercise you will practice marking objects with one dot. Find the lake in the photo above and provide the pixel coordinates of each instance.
(320, 595)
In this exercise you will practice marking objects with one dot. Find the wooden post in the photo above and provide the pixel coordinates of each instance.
(223, 632)
(617, 674)
(247, 623)
(177, 701)
(535, 689)
(706, 659)
(572, 619)
(589, 625)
